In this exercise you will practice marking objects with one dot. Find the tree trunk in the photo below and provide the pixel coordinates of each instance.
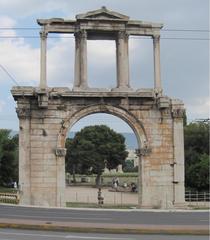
(74, 177)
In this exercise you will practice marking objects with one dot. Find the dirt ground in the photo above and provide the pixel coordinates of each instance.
(90, 195)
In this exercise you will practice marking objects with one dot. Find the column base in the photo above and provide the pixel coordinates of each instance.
(181, 205)
(158, 92)
(122, 89)
(88, 89)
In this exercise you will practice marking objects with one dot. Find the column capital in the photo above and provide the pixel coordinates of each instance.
(60, 152)
(122, 35)
(24, 112)
(156, 38)
(43, 35)
(143, 151)
(178, 113)
(80, 34)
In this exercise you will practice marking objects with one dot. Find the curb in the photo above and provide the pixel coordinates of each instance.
(141, 230)
(109, 209)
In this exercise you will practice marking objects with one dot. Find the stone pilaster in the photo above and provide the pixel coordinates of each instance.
(60, 176)
(142, 153)
(24, 115)
(43, 60)
(178, 165)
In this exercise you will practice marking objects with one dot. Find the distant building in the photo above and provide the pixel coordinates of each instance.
(132, 157)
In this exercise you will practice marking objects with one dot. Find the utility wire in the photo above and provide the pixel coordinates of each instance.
(10, 76)
(164, 30)
(184, 30)
(134, 37)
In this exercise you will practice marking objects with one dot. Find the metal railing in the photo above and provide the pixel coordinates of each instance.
(194, 196)
(9, 198)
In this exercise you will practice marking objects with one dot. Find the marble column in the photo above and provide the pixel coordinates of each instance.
(77, 60)
(80, 81)
(83, 59)
(122, 60)
(157, 77)
(43, 60)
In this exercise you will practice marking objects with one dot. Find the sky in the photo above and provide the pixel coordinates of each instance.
(184, 60)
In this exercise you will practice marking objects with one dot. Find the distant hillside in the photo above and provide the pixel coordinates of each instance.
(130, 139)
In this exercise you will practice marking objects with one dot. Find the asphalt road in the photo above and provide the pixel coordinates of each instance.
(105, 216)
(11, 234)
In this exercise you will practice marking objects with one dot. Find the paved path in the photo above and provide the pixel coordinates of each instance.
(90, 194)
(104, 220)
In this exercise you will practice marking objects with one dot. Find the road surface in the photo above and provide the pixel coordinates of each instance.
(104, 216)
(11, 234)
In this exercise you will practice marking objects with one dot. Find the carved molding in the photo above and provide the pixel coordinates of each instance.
(23, 112)
(145, 151)
(60, 152)
(178, 113)
(166, 112)
(163, 103)
(43, 100)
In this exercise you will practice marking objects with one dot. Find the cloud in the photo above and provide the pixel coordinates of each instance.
(198, 108)
(22, 60)
(185, 64)
(17, 57)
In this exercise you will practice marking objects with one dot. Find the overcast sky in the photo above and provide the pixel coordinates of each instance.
(184, 63)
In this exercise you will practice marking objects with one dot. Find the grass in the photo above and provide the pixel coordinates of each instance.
(95, 205)
(198, 207)
(7, 190)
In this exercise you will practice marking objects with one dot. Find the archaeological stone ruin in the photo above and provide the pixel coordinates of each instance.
(47, 114)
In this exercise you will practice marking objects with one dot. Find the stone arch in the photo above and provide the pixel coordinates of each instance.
(135, 124)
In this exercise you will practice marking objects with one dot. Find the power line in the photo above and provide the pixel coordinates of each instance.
(134, 37)
(185, 30)
(10, 76)
(20, 28)
(164, 30)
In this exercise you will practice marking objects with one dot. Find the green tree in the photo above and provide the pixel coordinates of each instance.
(129, 166)
(93, 149)
(8, 157)
(197, 155)
(197, 175)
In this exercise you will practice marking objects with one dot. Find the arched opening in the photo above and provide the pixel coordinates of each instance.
(84, 190)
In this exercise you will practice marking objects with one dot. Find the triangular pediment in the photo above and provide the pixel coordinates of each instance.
(103, 13)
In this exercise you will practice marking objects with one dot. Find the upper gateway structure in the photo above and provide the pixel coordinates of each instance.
(47, 114)
(101, 24)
